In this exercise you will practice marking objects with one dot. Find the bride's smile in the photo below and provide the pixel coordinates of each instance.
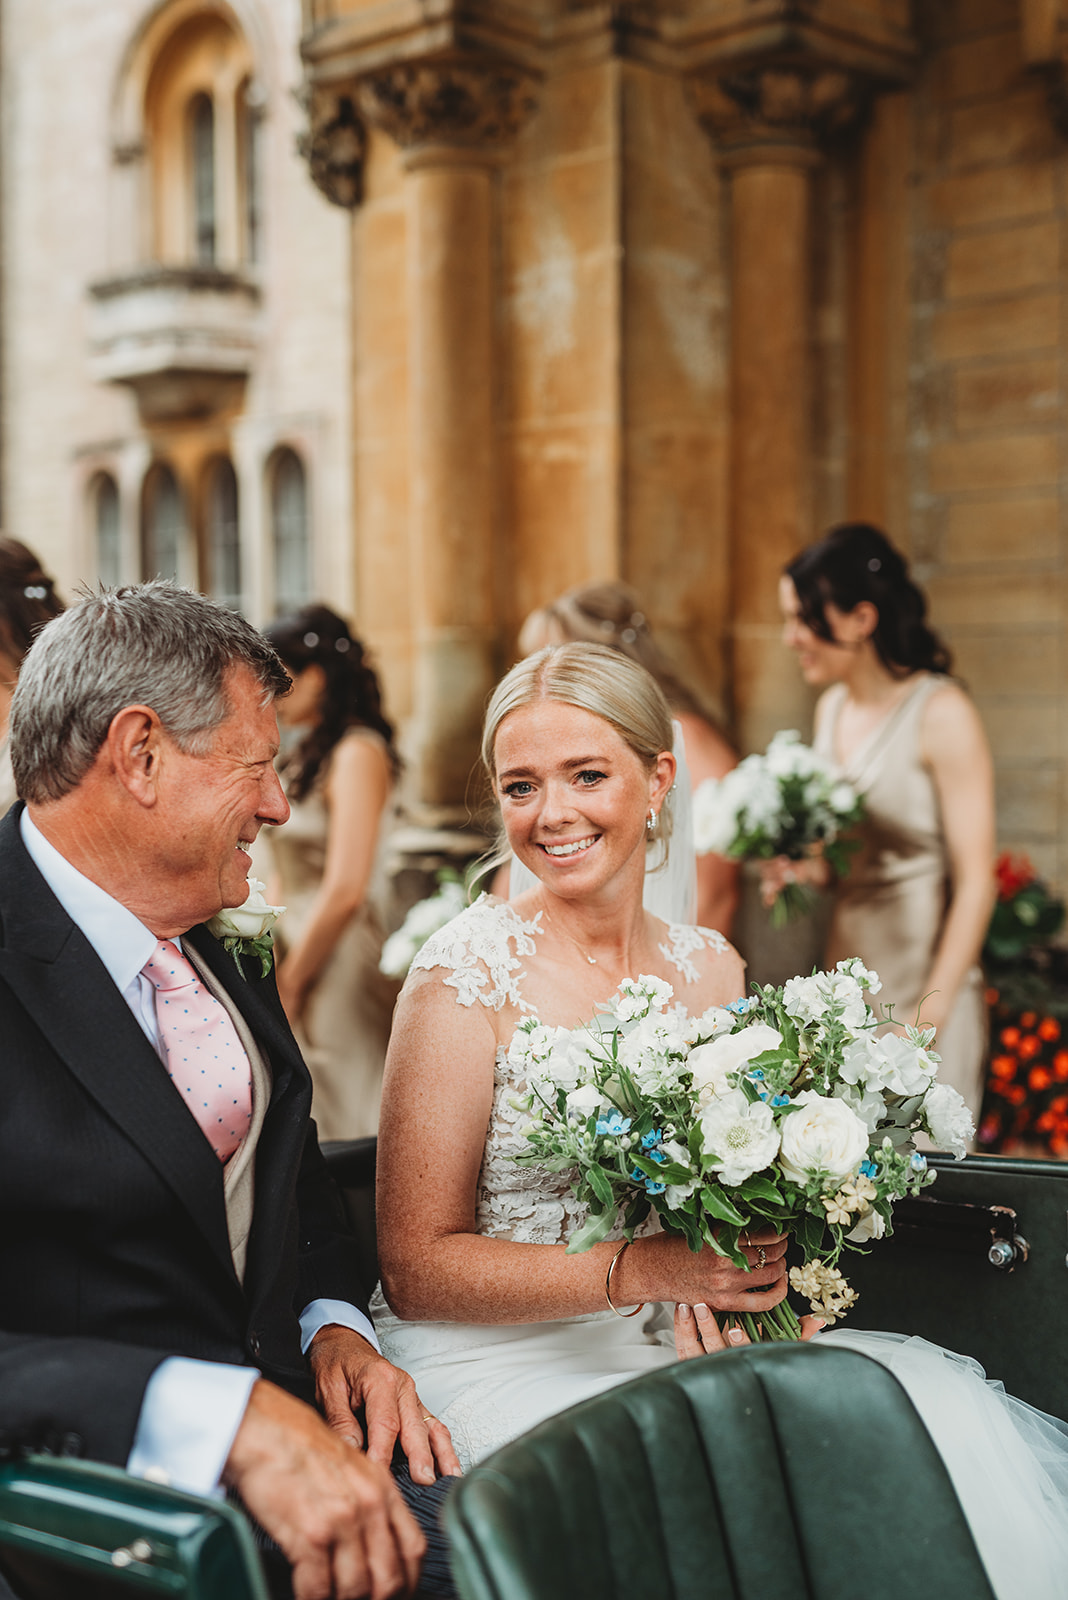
(574, 796)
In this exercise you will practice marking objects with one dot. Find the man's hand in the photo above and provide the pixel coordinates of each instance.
(338, 1516)
(350, 1373)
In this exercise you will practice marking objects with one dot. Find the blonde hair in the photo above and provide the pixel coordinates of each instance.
(591, 678)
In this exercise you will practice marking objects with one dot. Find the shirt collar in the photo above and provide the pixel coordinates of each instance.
(120, 939)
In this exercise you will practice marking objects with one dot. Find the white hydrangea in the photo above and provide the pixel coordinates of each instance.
(949, 1122)
(740, 1136)
(810, 1000)
(638, 996)
(901, 1065)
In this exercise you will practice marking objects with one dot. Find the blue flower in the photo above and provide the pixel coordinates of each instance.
(868, 1169)
(637, 1174)
(652, 1139)
(758, 1073)
(614, 1124)
(653, 1188)
(780, 1099)
(739, 1007)
(918, 1163)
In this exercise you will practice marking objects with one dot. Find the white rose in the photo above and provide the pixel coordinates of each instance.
(824, 1136)
(710, 1063)
(586, 1098)
(251, 920)
(741, 1137)
(949, 1122)
(871, 1226)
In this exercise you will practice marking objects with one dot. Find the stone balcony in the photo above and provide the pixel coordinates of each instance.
(183, 338)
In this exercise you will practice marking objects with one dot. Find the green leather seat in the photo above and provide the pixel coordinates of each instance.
(75, 1530)
(769, 1473)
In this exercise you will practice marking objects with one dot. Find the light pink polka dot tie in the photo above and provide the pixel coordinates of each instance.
(203, 1055)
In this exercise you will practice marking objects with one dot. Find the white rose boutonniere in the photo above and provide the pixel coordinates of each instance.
(245, 930)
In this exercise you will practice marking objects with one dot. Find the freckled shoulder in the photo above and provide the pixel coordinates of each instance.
(481, 952)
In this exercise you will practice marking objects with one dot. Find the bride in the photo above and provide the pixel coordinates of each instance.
(497, 1324)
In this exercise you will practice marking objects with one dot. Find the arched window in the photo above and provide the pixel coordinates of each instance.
(202, 167)
(289, 531)
(163, 525)
(104, 513)
(200, 92)
(223, 538)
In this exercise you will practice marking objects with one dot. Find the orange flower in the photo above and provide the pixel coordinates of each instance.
(1016, 1093)
(1049, 1028)
(1005, 1066)
(1059, 1146)
(1027, 1019)
(1029, 1047)
(1060, 1064)
(1010, 1037)
(1046, 1122)
(991, 997)
(1039, 1078)
(1060, 1105)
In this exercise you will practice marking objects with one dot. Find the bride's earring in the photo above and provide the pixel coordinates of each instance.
(650, 823)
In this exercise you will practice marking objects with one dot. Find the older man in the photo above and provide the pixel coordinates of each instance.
(177, 1284)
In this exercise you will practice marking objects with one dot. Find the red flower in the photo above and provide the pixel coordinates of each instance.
(1010, 1037)
(1005, 1066)
(1060, 1064)
(1029, 1047)
(1049, 1028)
(1039, 1078)
(1013, 873)
(1016, 1093)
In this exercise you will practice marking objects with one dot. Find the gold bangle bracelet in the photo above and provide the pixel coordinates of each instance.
(608, 1285)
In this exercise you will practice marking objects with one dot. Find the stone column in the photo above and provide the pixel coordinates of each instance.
(453, 122)
(767, 125)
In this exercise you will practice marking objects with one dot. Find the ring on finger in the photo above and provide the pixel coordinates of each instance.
(762, 1255)
(428, 1418)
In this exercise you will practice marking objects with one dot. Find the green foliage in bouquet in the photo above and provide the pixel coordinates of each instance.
(785, 1108)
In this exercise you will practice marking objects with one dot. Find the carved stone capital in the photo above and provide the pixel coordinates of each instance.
(793, 109)
(456, 104)
(334, 147)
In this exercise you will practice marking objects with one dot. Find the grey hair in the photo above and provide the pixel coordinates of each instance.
(592, 678)
(152, 644)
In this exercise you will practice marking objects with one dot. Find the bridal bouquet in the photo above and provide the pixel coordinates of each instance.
(424, 918)
(786, 1108)
(786, 802)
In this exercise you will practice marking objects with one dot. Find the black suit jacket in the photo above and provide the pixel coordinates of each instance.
(114, 1250)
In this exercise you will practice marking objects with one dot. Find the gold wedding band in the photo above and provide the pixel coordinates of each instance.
(428, 1418)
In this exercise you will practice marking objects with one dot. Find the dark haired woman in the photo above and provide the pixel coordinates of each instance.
(610, 613)
(916, 900)
(27, 602)
(338, 781)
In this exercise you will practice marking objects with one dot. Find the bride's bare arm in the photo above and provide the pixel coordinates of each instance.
(435, 1111)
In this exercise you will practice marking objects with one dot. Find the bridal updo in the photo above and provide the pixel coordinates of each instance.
(591, 678)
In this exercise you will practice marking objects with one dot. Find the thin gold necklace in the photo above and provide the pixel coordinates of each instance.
(552, 922)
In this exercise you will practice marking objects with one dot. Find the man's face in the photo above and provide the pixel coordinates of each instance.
(211, 808)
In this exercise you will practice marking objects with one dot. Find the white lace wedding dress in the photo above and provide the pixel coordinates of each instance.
(491, 1382)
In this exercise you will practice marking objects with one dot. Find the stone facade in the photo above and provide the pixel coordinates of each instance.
(656, 290)
(133, 352)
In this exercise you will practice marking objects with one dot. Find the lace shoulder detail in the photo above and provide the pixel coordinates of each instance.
(685, 942)
(482, 950)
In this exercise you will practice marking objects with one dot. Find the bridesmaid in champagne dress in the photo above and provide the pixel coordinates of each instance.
(916, 900)
(326, 867)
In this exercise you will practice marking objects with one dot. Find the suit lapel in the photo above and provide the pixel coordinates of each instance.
(60, 980)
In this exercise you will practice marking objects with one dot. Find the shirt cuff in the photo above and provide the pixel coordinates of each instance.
(189, 1415)
(320, 1312)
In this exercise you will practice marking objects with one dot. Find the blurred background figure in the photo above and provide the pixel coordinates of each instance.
(916, 900)
(611, 614)
(27, 601)
(338, 772)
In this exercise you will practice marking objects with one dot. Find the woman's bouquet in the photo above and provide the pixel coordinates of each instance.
(787, 802)
(786, 1108)
(424, 918)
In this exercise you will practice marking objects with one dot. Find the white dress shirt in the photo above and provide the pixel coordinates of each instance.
(191, 1409)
